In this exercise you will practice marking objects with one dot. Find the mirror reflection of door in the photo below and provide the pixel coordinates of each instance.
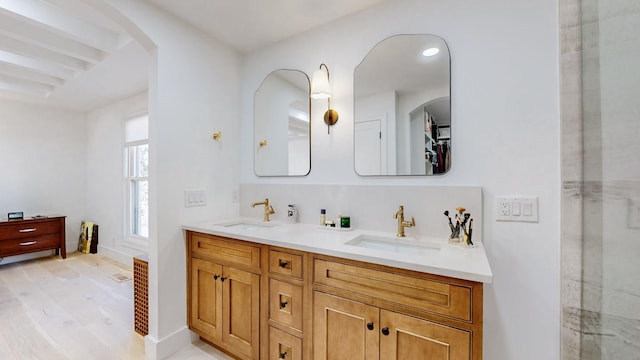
(369, 155)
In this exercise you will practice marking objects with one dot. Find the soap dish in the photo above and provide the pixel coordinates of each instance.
(335, 228)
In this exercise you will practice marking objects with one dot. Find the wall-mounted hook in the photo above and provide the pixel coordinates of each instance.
(263, 143)
(217, 135)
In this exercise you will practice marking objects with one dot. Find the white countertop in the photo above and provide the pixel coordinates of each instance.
(447, 260)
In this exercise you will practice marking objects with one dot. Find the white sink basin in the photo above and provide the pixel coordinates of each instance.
(249, 226)
(394, 244)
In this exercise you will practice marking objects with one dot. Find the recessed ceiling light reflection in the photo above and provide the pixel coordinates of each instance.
(430, 51)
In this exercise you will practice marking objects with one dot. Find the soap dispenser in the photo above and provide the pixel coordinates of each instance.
(292, 214)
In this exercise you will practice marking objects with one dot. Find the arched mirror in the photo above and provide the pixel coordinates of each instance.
(282, 141)
(402, 109)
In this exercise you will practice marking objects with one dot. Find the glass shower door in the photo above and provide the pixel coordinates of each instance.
(611, 166)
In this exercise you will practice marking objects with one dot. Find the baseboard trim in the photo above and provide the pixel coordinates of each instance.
(124, 256)
(155, 349)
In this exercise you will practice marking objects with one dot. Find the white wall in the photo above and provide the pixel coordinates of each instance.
(504, 95)
(193, 92)
(105, 173)
(42, 164)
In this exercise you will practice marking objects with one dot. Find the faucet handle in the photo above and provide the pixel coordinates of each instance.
(413, 221)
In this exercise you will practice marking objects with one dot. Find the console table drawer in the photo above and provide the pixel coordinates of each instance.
(28, 229)
(35, 243)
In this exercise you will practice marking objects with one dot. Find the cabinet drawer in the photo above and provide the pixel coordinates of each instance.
(284, 346)
(26, 229)
(425, 294)
(285, 303)
(225, 250)
(284, 263)
(34, 243)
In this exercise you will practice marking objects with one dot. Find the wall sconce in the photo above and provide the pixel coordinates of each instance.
(321, 89)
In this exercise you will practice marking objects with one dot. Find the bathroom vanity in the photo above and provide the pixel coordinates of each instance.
(296, 291)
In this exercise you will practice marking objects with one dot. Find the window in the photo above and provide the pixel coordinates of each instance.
(137, 179)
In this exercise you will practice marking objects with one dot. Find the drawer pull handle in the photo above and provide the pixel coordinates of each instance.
(385, 331)
(223, 279)
(283, 355)
(27, 230)
(28, 243)
(370, 326)
(216, 276)
(283, 304)
(283, 263)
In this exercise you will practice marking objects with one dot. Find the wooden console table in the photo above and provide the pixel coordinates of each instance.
(31, 235)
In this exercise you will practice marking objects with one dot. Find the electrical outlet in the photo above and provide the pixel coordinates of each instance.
(235, 195)
(522, 209)
(505, 207)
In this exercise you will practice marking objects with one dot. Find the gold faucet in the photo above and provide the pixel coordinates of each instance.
(401, 223)
(268, 209)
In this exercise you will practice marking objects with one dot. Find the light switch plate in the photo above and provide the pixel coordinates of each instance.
(517, 208)
(195, 198)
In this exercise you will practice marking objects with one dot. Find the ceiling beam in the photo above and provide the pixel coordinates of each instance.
(36, 35)
(10, 44)
(52, 18)
(15, 85)
(36, 65)
(27, 74)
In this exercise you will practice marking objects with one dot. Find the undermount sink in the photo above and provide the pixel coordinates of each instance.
(249, 226)
(394, 244)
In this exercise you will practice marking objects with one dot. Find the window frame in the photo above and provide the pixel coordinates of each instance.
(130, 239)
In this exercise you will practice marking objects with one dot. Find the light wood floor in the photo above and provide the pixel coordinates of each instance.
(71, 309)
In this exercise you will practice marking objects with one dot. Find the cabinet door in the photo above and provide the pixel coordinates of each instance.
(344, 329)
(241, 306)
(206, 299)
(407, 338)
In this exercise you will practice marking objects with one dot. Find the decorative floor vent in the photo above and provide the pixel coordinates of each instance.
(141, 295)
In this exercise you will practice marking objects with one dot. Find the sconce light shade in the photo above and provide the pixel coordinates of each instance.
(320, 88)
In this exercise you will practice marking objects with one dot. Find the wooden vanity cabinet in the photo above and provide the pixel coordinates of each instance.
(367, 311)
(223, 290)
(262, 302)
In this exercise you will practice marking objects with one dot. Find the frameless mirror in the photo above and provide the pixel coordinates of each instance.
(282, 141)
(402, 109)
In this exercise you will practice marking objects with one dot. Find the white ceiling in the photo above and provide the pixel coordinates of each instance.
(247, 25)
(65, 54)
